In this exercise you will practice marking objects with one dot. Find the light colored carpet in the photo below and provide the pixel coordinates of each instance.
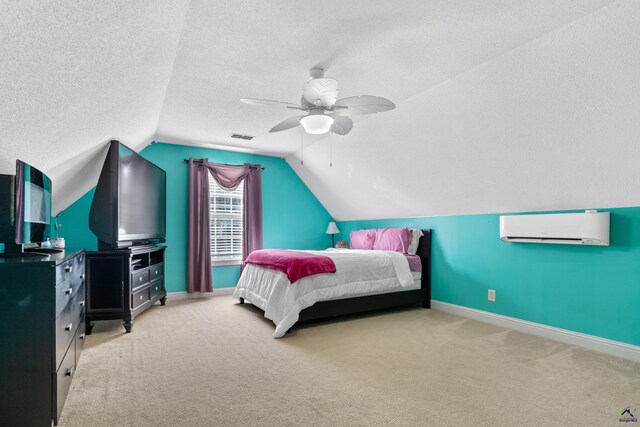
(212, 362)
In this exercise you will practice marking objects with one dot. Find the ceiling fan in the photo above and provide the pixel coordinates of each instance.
(324, 110)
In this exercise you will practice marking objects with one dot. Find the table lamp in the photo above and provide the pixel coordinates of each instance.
(332, 229)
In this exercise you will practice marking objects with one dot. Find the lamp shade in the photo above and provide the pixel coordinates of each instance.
(316, 123)
(332, 228)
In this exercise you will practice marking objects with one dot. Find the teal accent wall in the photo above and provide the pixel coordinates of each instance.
(588, 289)
(73, 224)
(292, 216)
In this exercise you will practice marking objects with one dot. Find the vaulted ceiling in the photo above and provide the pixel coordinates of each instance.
(501, 105)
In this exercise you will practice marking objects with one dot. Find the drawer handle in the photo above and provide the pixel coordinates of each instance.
(68, 327)
(81, 303)
(82, 276)
(69, 291)
(141, 279)
(141, 297)
(156, 272)
(156, 288)
(68, 268)
(68, 372)
(81, 336)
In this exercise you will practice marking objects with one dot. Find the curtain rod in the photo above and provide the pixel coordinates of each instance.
(187, 161)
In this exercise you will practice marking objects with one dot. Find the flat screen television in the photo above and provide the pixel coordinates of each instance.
(33, 204)
(129, 205)
(25, 207)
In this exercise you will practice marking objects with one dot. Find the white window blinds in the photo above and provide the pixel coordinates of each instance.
(225, 229)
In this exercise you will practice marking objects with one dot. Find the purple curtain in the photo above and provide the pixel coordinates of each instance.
(252, 215)
(228, 177)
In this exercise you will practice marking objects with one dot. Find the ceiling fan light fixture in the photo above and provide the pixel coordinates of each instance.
(316, 123)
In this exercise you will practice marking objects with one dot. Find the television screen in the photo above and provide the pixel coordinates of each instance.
(141, 201)
(32, 204)
(129, 205)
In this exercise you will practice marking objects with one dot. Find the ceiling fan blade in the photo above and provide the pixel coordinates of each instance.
(342, 125)
(365, 104)
(286, 124)
(270, 103)
(324, 89)
(339, 110)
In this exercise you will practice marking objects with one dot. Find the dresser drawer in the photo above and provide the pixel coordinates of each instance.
(156, 287)
(78, 263)
(140, 297)
(78, 271)
(67, 290)
(80, 339)
(70, 268)
(156, 271)
(64, 375)
(65, 270)
(67, 323)
(139, 278)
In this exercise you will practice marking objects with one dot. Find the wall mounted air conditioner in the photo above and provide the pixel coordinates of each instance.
(589, 228)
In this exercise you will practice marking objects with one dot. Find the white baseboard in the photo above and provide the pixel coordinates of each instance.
(614, 348)
(185, 295)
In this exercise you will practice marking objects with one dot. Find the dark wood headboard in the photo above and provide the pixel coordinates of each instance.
(424, 252)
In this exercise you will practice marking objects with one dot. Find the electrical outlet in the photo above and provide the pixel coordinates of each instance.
(491, 296)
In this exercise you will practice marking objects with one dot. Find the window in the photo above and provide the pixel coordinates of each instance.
(225, 229)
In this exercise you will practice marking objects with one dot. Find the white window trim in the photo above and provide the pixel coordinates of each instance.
(226, 261)
(230, 261)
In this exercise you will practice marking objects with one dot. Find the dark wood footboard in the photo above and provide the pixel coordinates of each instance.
(341, 307)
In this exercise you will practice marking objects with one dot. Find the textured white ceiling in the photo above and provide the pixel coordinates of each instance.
(550, 125)
(480, 86)
(233, 50)
(74, 74)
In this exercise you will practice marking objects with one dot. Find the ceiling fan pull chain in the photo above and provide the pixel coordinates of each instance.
(331, 153)
(302, 148)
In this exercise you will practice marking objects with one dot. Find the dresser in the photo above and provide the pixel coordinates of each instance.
(42, 309)
(123, 283)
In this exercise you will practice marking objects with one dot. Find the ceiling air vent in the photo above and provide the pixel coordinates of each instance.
(241, 136)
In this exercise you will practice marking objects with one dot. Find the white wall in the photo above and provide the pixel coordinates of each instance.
(553, 124)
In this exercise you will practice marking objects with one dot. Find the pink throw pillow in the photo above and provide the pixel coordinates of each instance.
(362, 239)
(393, 239)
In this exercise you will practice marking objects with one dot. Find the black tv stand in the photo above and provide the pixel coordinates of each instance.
(121, 244)
(143, 247)
(122, 283)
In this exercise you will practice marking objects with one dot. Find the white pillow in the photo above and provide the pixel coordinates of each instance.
(416, 235)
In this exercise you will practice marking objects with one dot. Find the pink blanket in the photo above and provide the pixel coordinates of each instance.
(294, 264)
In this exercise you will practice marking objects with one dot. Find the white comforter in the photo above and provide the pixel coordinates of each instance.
(357, 272)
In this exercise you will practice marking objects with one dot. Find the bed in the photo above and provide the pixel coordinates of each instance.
(352, 289)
